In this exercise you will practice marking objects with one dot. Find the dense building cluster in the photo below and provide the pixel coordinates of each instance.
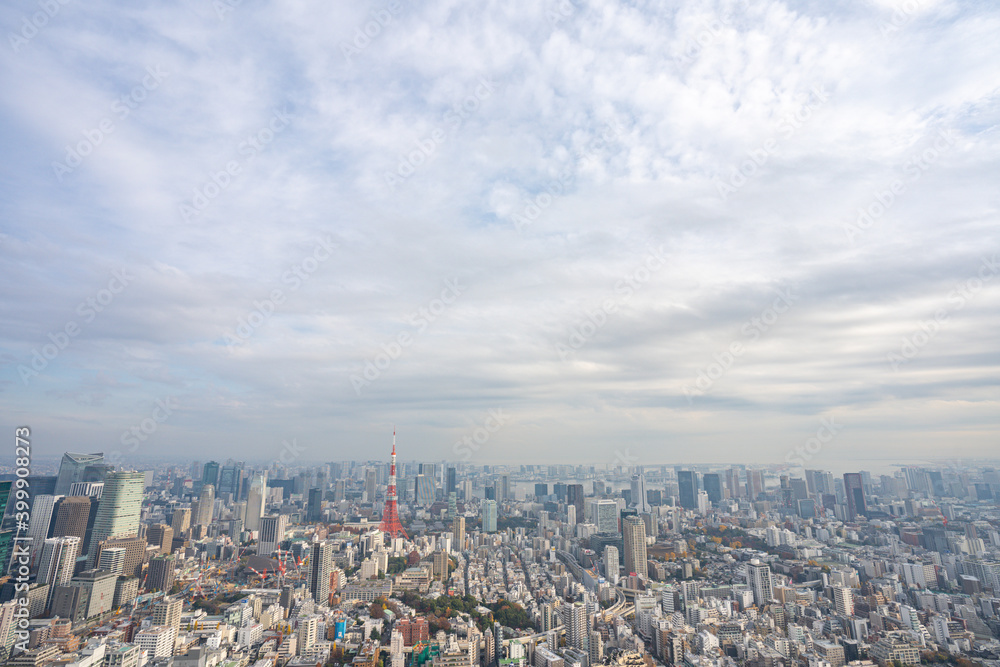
(500, 566)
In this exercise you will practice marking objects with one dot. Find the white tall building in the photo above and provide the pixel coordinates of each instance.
(255, 502)
(843, 598)
(640, 499)
(41, 519)
(612, 564)
(759, 579)
(604, 515)
(634, 539)
(58, 558)
(112, 559)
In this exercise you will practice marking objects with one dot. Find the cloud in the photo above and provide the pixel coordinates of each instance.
(418, 146)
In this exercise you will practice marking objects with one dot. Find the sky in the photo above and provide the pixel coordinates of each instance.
(570, 231)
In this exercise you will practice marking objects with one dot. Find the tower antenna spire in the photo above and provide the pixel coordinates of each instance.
(390, 514)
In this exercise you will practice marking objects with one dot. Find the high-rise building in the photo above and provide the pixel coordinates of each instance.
(371, 479)
(118, 510)
(638, 487)
(489, 516)
(206, 505)
(272, 532)
(577, 626)
(687, 484)
(314, 509)
(112, 560)
(843, 599)
(168, 614)
(755, 483)
(210, 474)
(161, 573)
(320, 566)
(458, 532)
(574, 496)
(612, 564)
(505, 490)
(451, 486)
(42, 511)
(634, 544)
(135, 553)
(733, 485)
(854, 487)
(760, 582)
(713, 487)
(231, 481)
(57, 560)
(541, 490)
(604, 515)
(71, 470)
(424, 490)
(255, 502)
(161, 535)
(181, 521)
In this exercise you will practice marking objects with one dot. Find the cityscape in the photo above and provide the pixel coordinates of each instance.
(516, 333)
(381, 563)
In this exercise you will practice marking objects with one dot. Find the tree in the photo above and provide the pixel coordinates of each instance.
(375, 634)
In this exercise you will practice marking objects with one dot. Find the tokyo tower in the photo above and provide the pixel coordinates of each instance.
(390, 518)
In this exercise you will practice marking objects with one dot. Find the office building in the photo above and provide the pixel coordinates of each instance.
(161, 573)
(574, 497)
(314, 508)
(489, 516)
(210, 474)
(272, 532)
(256, 498)
(760, 582)
(112, 560)
(855, 490)
(320, 566)
(458, 533)
(71, 469)
(634, 544)
(640, 500)
(206, 505)
(181, 521)
(162, 536)
(57, 560)
(687, 485)
(713, 487)
(42, 511)
(118, 510)
(135, 553)
(604, 515)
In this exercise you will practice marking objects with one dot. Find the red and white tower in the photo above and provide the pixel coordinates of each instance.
(390, 517)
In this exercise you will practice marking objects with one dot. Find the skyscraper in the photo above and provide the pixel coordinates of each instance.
(604, 515)
(41, 519)
(370, 481)
(577, 627)
(687, 484)
(458, 530)
(161, 535)
(452, 485)
(713, 486)
(489, 516)
(314, 510)
(272, 532)
(118, 510)
(320, 566)
(161, 573)
(733, 483)
(854, 487)
(55, 565)
(424, 490)
(255, 502)
(181, 521)
(639, 499)
(71, 470)
(612, 564)
(574, 496)
(634, 544)
(206, 505)
(210, 474)
(759, 580)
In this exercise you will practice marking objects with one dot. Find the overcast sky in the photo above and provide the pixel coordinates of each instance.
(576, 231)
